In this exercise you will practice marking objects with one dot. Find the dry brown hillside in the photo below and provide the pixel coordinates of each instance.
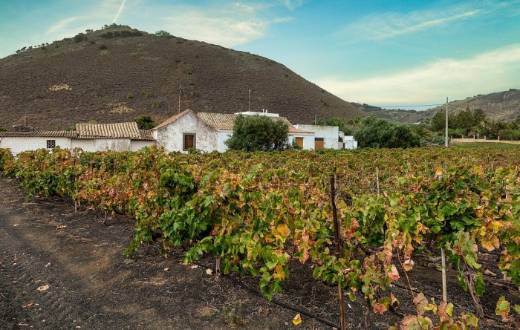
(118, 74)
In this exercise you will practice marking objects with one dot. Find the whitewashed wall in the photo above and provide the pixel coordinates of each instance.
(93, 145)
(222, 137)
(85, 145)
(330, 134)
(20, 144)
(350, 142)
(308, 140)
(136, 145)
(171, 137)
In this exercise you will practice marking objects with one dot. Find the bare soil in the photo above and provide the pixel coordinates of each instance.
(65, 269)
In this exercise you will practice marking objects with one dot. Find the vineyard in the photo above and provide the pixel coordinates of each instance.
(359, 220)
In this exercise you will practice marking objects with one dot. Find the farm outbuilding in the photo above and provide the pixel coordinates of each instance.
(86, 136)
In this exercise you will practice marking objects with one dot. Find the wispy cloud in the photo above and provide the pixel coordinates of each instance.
(230, 25)
(62, 24)
(292, 4)
(431, 83)
(392, 24)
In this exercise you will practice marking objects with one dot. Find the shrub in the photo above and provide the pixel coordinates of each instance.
(379, 133)
(80, 37)
(252, 133)
(5, 158)
(145, 122)
(103, 47)
(163, 34)
(121, 34)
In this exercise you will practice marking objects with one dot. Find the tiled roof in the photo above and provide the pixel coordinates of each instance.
(172, 119)
(146, 135)
(224, 121)
(128, 130)
(55, 134)
(221, 121)
(92, 131)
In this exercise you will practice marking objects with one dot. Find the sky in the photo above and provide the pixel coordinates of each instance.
(406, 54)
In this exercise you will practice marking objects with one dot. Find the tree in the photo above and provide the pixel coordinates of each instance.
(252, 133)
(379, 133)
(80, 37)
(145, 122)
(163, 34)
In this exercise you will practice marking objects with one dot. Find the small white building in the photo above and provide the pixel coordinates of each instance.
(88, 137)
(349, 142)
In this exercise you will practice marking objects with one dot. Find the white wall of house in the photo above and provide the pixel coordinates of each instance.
(102, 144)
(330, 134)
(20, 144)
(222, 137)
(350, 142)
(137, 145)
(112, 144)
(308, 140)
(171, 137)
(85, 145)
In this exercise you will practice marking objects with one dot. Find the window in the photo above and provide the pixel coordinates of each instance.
(319, 143)
(299, 141)
(189, 141)
(51, 144)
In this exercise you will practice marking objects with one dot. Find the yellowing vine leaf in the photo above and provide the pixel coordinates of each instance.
(282, 231)
(297, 319)
(503, 308)
(279, 273)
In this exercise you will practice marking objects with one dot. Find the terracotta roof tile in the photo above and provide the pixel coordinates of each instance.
(220, 121)
(128, 130)
(65, 134)
(172, 119)
(146, 135)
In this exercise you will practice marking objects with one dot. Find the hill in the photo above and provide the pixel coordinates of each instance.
(119, 73)
(500, 106)
(396, 115)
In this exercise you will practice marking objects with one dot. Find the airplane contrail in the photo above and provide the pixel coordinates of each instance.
(119, 11)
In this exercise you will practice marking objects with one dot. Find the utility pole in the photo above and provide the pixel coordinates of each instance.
(446, 138)
(249, 102)
(180, 92)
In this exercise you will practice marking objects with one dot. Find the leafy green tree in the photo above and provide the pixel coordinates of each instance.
(145, 122)
(253, 133)
(163, 34)
(379, 133)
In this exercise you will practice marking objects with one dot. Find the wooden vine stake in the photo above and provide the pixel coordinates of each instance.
(339, 249)
(443, 266)
(443, 269)
(377, 181)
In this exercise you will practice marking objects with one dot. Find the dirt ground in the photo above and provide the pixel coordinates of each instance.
(65, 269)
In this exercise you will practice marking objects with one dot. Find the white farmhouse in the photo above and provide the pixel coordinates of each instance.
(208, 131)
(89, 137)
